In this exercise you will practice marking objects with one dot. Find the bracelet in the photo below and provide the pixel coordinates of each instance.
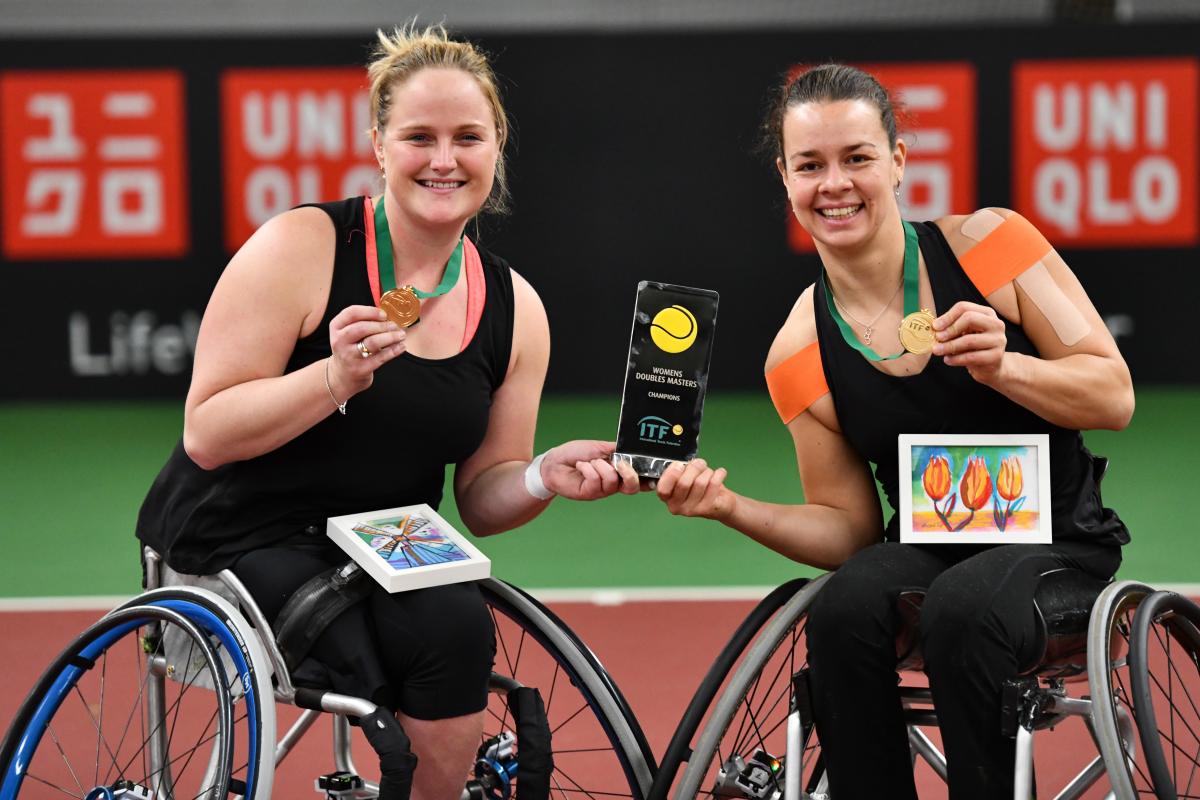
(533, 480)
(340, 406)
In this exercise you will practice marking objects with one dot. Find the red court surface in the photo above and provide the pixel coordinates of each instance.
(656, 651)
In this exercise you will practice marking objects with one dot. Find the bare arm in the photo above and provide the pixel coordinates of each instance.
(841, 514)
(1081, 385)
(273, 292)
(490, 485)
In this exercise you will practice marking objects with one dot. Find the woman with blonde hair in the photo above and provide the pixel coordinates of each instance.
(308, 401)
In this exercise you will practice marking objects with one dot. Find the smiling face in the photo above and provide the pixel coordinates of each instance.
(439, 148)
(839, 171)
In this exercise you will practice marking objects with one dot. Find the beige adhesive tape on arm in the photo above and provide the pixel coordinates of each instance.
(1036, 282)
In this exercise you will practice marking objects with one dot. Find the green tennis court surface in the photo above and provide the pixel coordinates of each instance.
(73, 476)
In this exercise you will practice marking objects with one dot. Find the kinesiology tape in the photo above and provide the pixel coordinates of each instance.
(1013, 250)
(797, 382)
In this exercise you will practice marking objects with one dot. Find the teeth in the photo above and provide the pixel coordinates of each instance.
(839, 212)
(441, 184)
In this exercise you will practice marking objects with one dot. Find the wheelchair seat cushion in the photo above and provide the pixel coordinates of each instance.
(1062, 607)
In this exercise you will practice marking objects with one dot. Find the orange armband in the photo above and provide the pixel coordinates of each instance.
(1013, 247)
(797, 382)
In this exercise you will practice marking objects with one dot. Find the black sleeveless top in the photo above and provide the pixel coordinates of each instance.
(390, 449)
(873, 408)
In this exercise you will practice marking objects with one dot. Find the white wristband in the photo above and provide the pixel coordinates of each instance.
(533, 480)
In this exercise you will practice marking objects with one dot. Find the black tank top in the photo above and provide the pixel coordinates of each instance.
(873, 408)
(390, 449)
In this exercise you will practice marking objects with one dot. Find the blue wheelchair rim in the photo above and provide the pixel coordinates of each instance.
(211, 623)
(206, 620)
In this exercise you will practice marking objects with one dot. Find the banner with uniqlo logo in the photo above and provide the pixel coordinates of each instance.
(939, 130)
(93, 164)
(1105, 150)
(292, 136)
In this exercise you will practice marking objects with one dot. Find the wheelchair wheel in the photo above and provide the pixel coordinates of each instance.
(598, 747)
(252, 769)
(680, 747)
(94, 728)
(742, 748)
(1113, 711)
(1164, 667)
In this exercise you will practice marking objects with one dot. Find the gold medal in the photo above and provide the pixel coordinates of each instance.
(401, 306)
(916, 332)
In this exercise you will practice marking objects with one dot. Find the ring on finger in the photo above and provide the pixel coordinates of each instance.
(362, 349)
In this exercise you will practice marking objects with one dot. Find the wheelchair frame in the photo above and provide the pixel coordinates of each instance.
(717, 767)
(206, 614)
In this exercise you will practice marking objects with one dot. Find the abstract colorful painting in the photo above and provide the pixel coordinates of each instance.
(409, 541)
(408, 547)
(975, 489)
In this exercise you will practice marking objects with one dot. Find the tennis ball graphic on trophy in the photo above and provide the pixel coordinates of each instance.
(673, 329)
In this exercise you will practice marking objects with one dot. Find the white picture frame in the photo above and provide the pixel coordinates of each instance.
(408, 547)
(940, 505)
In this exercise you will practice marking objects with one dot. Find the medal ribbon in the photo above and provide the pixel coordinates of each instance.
(387, 270)
(912, 300)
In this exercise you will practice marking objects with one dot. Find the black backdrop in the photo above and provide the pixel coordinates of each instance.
(633, 160)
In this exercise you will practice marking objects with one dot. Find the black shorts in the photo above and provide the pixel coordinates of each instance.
(427, 653)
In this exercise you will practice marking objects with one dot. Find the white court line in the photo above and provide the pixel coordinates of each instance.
(596, 596)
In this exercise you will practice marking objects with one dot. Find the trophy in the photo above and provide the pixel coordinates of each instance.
(670, 347)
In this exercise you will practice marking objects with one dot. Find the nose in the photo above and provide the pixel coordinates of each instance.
(443, 156)
(836, 179)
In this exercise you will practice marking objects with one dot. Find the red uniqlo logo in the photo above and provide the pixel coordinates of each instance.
(93, 164)
(292, 136)
(1105, 150)
(939, 175)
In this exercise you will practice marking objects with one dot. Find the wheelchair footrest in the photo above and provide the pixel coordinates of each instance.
(339, 784)
(1018, 704)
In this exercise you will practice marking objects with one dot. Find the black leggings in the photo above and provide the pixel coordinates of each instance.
(977, 625)
(427, 652)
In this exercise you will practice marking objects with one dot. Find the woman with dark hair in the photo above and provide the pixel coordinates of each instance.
(967, 324)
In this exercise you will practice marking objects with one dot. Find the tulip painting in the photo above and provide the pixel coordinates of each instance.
(975, 488)
(976, 492)
(1008, 487)
(936, 481)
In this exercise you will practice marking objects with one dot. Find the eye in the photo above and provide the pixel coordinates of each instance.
(418, 138)
(807, 166)
(471, 137)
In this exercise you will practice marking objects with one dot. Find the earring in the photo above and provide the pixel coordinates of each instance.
(897, 190)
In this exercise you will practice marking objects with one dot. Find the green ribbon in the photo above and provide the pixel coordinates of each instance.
(912, 298)
(387, 270)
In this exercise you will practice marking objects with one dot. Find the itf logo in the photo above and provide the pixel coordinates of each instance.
(657, 430)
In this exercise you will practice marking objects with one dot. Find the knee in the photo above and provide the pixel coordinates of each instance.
(851, 611)
(956, 624)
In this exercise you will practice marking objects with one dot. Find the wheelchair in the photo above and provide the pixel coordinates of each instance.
(1137, 650)
(172, 695)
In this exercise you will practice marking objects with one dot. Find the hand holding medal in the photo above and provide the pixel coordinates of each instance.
(361, 340)
(972, 336)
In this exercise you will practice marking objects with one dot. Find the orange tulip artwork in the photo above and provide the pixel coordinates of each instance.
(974, 490)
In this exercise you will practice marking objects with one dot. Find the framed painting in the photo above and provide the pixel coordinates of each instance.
(975, 488)
(410, 547)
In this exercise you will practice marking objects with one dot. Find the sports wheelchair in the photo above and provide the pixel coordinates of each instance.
(1136, 648)
(171, 696)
